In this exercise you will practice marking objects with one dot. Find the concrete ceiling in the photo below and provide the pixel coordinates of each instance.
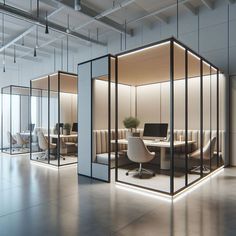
(93, 22)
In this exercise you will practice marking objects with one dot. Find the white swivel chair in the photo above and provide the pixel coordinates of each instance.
(11, 139)
(20, 141)
(43, 144)
(208, 153)
(138, 152)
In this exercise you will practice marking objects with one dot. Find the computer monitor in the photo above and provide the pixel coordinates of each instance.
(75, 127)
(60, 125)
(155, 130)
(31, 127)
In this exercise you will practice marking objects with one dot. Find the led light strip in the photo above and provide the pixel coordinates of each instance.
(143, 49)
(166, 197)
(41, 164)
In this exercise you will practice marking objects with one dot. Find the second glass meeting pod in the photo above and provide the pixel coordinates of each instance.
(54, 109)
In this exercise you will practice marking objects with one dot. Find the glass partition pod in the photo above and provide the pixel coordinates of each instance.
(153, 117)
(96, 143)
(169, 116)
(15, 133)
(143, 118)
(54, 112)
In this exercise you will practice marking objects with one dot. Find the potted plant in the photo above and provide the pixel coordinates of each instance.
(66, 129)
(131, 123)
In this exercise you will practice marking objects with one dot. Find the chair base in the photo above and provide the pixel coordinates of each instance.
(140, 171)
(197, 169)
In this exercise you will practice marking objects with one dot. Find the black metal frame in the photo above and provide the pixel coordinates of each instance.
(2, 124)
(186, 77)
(58, 120)
(187, 51)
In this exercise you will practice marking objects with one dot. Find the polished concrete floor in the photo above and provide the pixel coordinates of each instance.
(35, 200)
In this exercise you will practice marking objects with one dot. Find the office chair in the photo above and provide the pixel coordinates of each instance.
(20, 141)
(43, 144)
(138, 152)
(11, 139)
(208, 153)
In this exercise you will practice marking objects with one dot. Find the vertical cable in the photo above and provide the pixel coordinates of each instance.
(61, 54)
(177, 20)
(228, 56)
(37, 8)
(54, 54)
(198, 33)
(125, 33)
(97, 34)
(121, 38)
(67, 53)
(14, 53)
(3, 43)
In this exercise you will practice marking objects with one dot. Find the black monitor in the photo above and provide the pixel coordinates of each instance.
(60, 125)
(75, 127)
(155, 130)
(31, 127)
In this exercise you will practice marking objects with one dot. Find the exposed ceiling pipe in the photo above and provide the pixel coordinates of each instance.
(23, 15)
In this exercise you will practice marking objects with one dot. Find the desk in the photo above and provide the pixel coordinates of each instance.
(62, 136)
(163, 145)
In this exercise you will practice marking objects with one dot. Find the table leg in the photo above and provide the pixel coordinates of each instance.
(165, 160)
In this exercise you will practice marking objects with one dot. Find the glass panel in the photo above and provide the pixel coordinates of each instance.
(100, 119)
(8, 140)
(209, 131)
(85, 146)
(144, 94)
(179, 118)
(20, 118)
(222, 114)
(15, 120)
(213, 118)
(194, 111)
(56, 126)
(39, 115)
(68, 116)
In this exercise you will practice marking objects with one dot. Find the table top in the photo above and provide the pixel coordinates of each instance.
(153, 143)
(62, 135)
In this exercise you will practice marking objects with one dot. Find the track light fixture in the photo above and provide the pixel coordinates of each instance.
(14, 53)
(4, 61)
(68, 31)
(77, 5)
(46, 29)
(35, 52)
(36, 42)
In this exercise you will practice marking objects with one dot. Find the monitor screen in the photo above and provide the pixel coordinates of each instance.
(158, 130)
(31, 127)
(75, 127)
(60, 125)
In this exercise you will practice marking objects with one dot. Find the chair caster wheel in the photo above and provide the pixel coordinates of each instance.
(153, 174)
(64, 158)
(140, 176)
(127, 173)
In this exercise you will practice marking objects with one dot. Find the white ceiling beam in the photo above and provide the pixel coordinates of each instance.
(230, 1)
(101, 18)
(209, 4)
(16, 38)
(191, 8)
(163, 18)
(151, 14)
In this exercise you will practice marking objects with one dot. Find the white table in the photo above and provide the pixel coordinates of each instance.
(163, 145)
